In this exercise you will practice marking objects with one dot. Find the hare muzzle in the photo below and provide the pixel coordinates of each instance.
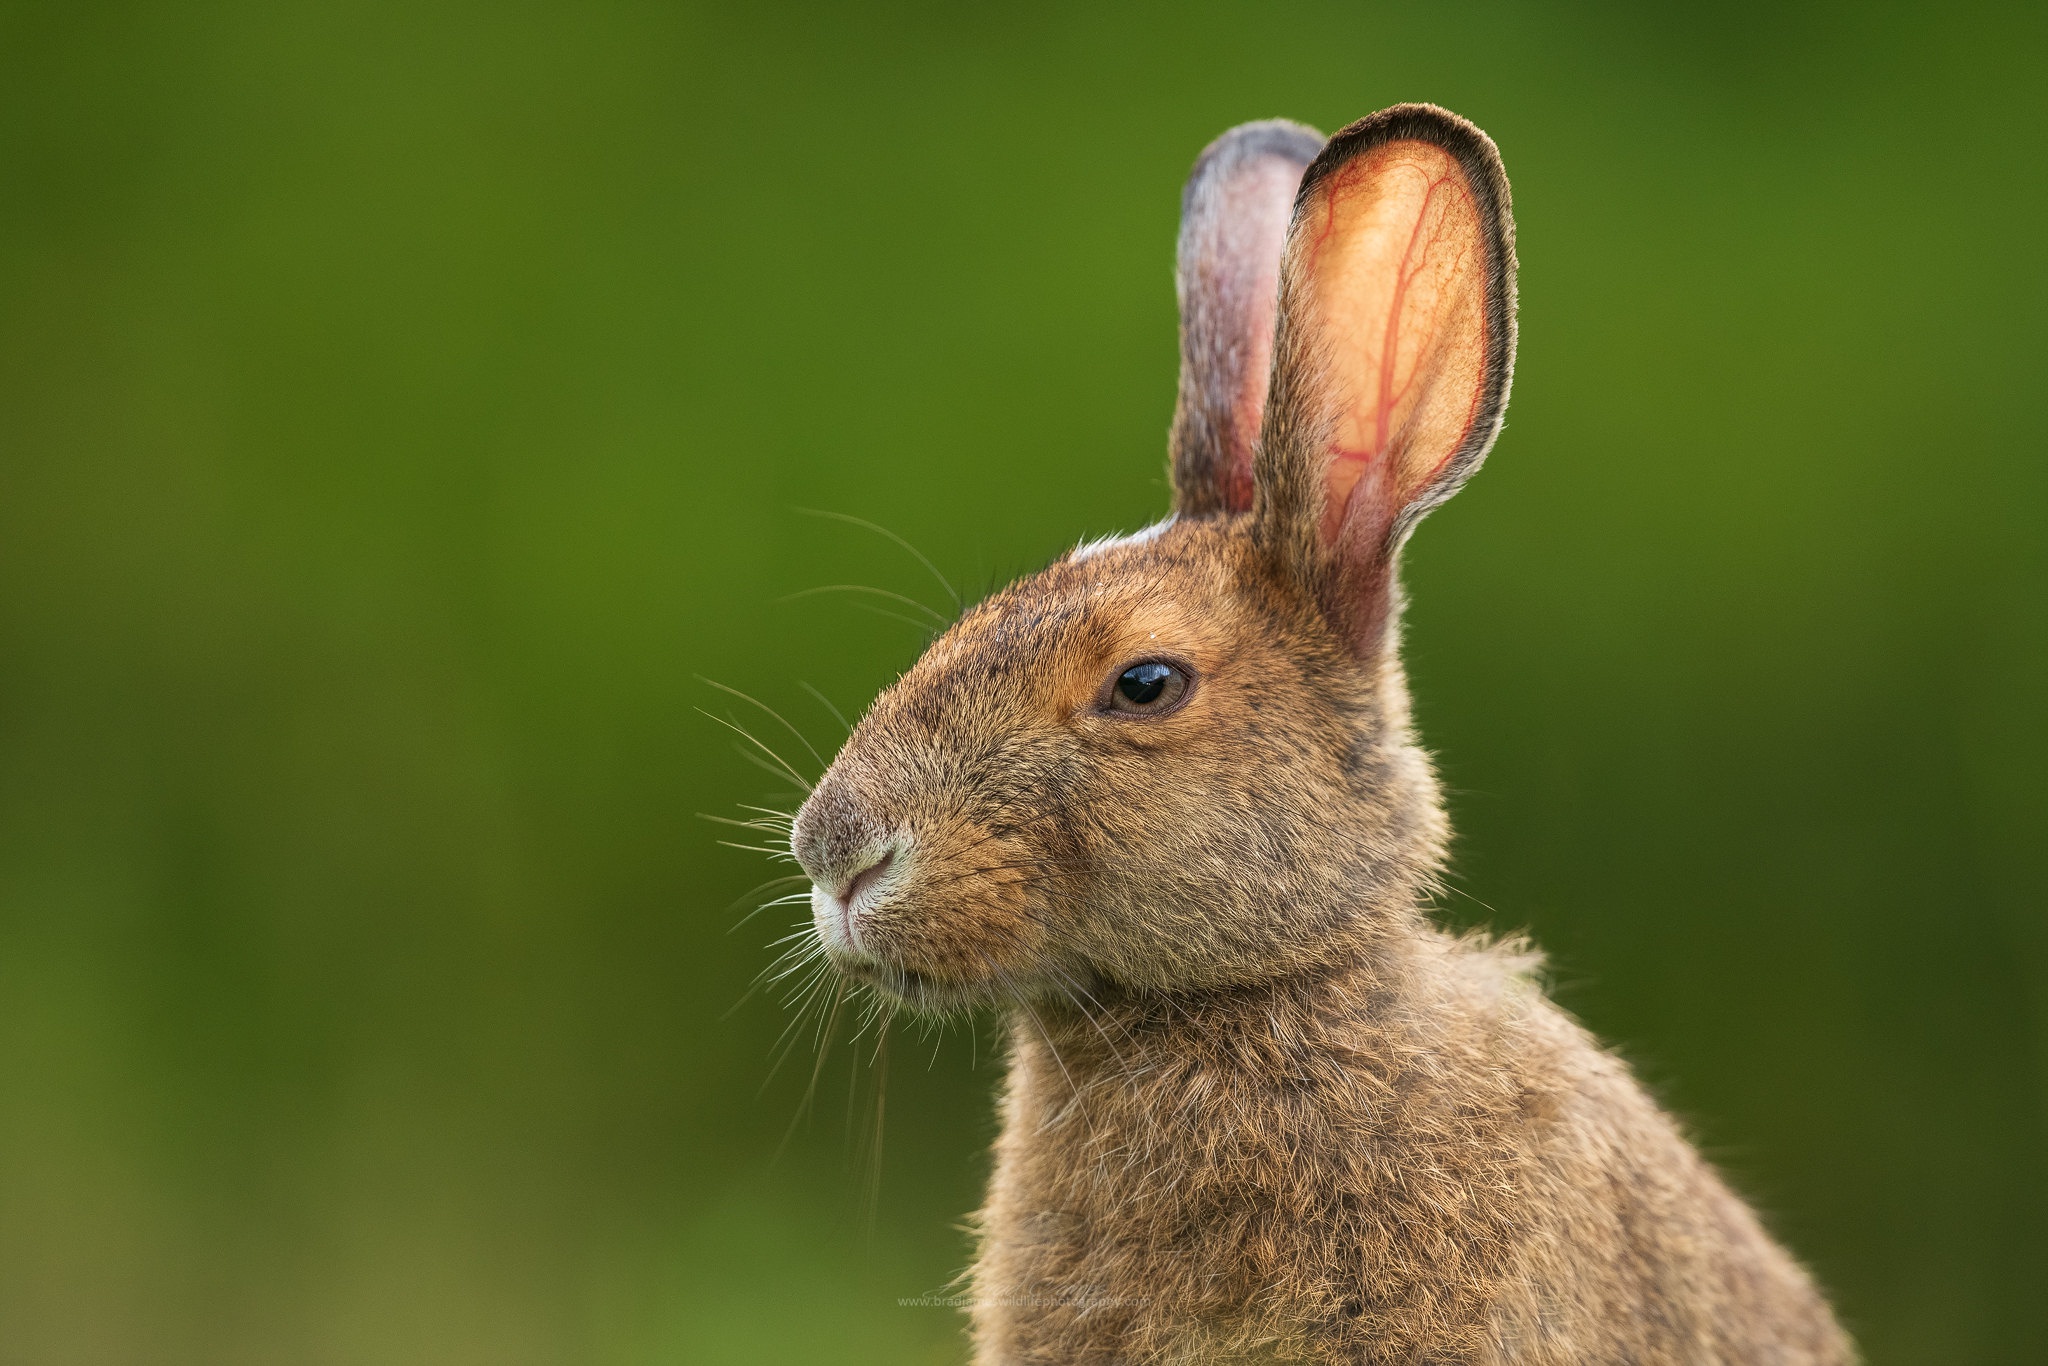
(854, 862)
(926, 905)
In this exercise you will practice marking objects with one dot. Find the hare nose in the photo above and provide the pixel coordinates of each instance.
(835, 899)
(874, 864)
(839, 838)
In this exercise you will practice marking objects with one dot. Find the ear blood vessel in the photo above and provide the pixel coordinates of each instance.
(1258, 1106)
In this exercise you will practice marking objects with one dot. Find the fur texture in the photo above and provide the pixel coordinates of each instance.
(1258, 1106)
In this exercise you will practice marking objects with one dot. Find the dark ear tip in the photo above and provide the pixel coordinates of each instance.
(1480, 160)
(1429, 123)
(1283, 138)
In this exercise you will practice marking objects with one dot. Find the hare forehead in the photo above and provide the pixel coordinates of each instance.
(1083, 610)
(1088, 550)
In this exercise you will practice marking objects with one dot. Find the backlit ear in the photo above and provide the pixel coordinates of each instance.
(1395, 343)
(1233, 227)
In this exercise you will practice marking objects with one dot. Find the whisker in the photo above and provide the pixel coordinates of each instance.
(801, 1003)
(916, 554)
(800, 994)
(801, 932)
(803, 959)
(903, 598)
(823, 1043)
(767, 851)
(923, 629)
(836, 714)
(879, 1064)
(793, 899)
(796, 955)
(735, 692)
(766, 827)
(1450, 886)
(753, 892)
(758, 762)
(795, 959)
(742, 732)
(783, 855)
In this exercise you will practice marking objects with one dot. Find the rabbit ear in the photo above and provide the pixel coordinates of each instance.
(1233, 226)
(1396, 339)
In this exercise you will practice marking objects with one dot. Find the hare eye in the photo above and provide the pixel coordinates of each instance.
(1151, 687)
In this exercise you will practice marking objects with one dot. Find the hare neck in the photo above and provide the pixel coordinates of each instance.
(1381, 991)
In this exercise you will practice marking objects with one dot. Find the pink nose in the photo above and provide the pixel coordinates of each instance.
(864, 878)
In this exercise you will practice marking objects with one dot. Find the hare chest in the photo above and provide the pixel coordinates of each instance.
(1324, 1178)
(1287, 1197)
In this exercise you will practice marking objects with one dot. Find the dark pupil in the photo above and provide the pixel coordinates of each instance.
(1143, 683)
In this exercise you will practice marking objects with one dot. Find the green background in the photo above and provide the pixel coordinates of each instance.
(403, 404)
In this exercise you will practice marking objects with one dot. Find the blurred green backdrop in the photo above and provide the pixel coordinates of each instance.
(403, 404)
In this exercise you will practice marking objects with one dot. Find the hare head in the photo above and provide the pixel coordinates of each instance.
(1181, 759)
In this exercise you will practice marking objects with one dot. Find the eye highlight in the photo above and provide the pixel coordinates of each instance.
(1149, 688)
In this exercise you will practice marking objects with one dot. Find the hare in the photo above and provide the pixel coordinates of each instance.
(1162, 806)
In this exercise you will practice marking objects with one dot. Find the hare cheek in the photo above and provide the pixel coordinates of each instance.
(981, 929)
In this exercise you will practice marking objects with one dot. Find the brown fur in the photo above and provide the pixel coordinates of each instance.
(1258, 1107)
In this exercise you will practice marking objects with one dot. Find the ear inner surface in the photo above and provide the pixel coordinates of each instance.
(1395, 270)
(1396, 341)
(1234, 214)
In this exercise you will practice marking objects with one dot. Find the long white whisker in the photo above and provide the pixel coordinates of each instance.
(758, 762)
(837, 715)
(735, 692)
(795, 898)
(779, 855)
(879, 530)
(742, 732)
(745, 896)
(929, 633)
(905, 599)
(823, 1042)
